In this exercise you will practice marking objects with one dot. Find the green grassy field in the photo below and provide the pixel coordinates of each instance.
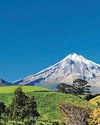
(48, 102)
(10, 89)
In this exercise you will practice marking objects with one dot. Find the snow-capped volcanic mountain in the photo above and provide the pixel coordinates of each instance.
(70, 68)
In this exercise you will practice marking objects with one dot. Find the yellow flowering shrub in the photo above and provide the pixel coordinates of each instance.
(95, 116)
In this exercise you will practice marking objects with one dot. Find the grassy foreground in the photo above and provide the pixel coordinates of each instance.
(48, 102)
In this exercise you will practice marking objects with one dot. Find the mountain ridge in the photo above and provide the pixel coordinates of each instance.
(70, 68)
(4, 83)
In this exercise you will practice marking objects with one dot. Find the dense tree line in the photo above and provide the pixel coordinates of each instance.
(79, 86)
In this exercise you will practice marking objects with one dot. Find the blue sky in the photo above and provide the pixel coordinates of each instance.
(35, 34)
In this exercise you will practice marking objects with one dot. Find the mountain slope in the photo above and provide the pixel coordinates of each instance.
(4, 83)
(71, 67)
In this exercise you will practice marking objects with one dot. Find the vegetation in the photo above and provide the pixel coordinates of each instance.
(2, 109)
(81, 86)
(11, 89)
(65, 88)
(94, 118)
(78, 87)
(22, 109)
(48, 105)
(96, 101)
(69, 111)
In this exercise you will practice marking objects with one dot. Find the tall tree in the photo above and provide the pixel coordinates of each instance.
(80, 86)
(65, 88)
(23, 108)
(19, 101)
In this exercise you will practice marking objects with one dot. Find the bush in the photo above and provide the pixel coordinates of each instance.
(90, 96)
(55, 123)
(74, 115)
(94, 118)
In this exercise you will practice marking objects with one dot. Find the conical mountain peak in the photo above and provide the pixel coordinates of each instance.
(79, 59)
(75, 56)
(70, 68)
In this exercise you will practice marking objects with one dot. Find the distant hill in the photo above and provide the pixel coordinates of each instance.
(4, 83)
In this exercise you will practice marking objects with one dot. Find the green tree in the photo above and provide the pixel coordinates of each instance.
(80, 86)
(18, 102)
(33, 108)
(65, 88)
(61, 88)
(22, 108)
(7, 115)
(31, 111)
(2, 109)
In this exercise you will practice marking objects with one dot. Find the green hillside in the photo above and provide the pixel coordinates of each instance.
(10, 89)
(48, 102)
(95, 101)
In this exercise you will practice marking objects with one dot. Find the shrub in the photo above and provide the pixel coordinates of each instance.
(74, 115)
(88, 97)
(94, 118)
(55, 123)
